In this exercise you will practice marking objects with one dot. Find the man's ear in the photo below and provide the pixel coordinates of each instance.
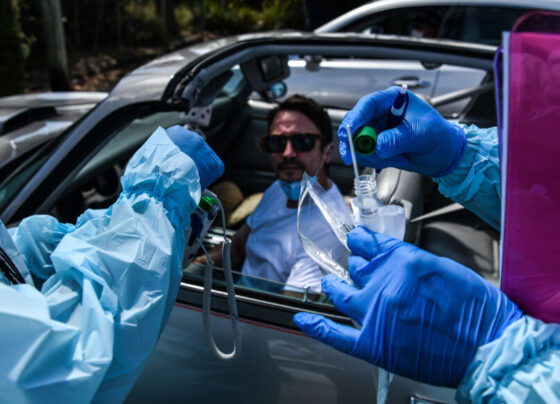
(327, 153)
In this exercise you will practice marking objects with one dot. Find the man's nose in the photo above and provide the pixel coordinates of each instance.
(289, 151)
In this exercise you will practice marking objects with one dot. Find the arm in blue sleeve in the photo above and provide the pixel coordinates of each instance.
(522, 366)
(88, 333)
(475, 183)
(36, 238)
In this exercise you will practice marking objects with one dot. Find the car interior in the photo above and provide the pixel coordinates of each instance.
(228, 102)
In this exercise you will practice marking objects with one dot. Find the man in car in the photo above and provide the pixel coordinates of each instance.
(268, 246)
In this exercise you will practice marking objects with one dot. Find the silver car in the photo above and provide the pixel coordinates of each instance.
(211, 88)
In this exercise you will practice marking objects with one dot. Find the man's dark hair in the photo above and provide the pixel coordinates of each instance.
(312, 110)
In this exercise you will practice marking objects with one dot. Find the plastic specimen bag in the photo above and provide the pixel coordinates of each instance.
(530, 273)
(322, 228)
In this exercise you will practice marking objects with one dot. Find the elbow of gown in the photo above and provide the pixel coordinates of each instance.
(475, 183)
(521, 366)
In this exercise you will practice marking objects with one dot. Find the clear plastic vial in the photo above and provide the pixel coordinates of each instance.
(365, 203)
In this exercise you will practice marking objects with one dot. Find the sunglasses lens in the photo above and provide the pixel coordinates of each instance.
(303, 142)
(274, 143)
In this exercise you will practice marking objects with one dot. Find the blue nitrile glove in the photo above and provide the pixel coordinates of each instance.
(422, 316)
(423, 142)
(209, 165)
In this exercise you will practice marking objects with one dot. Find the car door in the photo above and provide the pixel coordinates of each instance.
(278, 363)
(342, 82)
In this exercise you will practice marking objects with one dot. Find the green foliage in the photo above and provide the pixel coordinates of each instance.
(279, 14)
(230, 19)
(239, 16)
(184, 17)
(141, 24)
(13, 49)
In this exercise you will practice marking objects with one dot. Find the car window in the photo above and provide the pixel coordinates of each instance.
(411, 21)
(477, 24)
(127, 139)
(244, 282)
(15, 182)
(234, 83)
(96, 184)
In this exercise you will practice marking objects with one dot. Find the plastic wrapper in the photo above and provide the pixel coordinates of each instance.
(322, 228)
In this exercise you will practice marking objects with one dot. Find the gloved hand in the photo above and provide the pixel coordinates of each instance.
(423, 142)
(209, 165)
(422, 316)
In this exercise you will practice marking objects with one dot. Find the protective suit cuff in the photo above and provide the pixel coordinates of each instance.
(480, 163)
(520, 366)
(36, 237)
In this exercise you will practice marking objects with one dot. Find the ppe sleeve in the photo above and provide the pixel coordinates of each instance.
(475, 183)
(89, 332)
(522, 366)
(36, 238)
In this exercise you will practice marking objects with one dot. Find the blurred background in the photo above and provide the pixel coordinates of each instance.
(63, 45)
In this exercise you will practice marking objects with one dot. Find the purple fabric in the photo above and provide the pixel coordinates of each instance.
(498, 85)
(531, 256)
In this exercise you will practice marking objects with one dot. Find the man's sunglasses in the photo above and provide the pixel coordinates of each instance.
(301, 142)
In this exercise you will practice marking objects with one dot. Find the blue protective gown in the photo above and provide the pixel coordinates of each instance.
(475, 183)
(523, 365)
(110, 282)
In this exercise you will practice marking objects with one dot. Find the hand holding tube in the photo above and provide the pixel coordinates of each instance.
(422, 316)
(423, 142)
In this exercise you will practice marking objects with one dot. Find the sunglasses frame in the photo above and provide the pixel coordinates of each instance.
(288, 138)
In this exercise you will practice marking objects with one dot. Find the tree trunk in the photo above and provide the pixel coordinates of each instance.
(202, 19)
(57, 62)
(11, 49)
(166, 11)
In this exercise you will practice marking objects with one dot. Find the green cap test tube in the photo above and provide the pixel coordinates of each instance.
(365, 140)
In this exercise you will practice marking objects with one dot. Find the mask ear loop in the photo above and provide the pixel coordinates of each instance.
(323, 163)
(207, 297)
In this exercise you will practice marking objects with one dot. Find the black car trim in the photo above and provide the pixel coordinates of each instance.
(254, 305)
(241, 320)
(348, 44)
(9, 269)
(25, 116)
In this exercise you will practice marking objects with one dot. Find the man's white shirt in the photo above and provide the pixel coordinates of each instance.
(273, 250)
